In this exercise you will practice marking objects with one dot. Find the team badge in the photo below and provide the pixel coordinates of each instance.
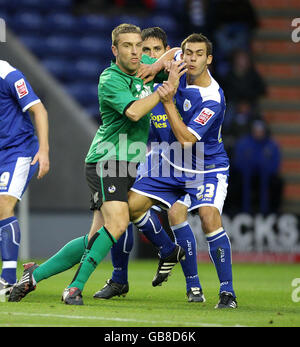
(21, 88)
(112, 189)
(204, 116)
(186, 105)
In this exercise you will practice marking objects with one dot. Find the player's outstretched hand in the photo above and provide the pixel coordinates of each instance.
(177, 69)
(147, 72)
(166, 92)
(44, 163)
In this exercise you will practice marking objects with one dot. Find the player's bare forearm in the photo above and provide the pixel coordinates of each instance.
(140, 108)
(42, 128)
(41, 123)
(180, 130)
(147, 72)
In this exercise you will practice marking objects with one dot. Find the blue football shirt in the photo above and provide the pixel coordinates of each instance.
(16, 97)
(202, 110)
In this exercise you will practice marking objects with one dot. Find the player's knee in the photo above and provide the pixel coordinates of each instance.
(210, 219)
(138, 205)
(7, 206)
(177, 214)
(117, 227)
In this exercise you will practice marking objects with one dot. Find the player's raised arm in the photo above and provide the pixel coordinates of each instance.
(166, 92)
(147, 72)
(140, 108)
(41, 123)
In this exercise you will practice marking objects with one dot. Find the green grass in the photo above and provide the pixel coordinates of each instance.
(263, 294)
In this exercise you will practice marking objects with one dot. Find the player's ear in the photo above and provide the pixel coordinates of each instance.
(114, 50)
(209, 59)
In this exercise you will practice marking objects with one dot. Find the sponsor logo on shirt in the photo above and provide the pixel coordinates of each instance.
(21, 88)
(204, 116)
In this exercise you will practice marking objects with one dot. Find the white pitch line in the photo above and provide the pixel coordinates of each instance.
(98, 318)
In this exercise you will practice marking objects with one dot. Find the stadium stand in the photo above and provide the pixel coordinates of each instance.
(277, 58)
(75, 48)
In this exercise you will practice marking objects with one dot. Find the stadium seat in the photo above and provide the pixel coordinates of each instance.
(59, 68)
(164, 5)
(62, 23)
(35, 44)
(61, 46)
(94, 47)
(88, 70)
(27, 23)
(165, 22)
(95, 24)
(128, 19)
(84, 93)
(8, 4)
(38, 5)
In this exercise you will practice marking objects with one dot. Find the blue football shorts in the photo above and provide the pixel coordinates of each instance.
(208, 189)
(16, 170)
(145, 169)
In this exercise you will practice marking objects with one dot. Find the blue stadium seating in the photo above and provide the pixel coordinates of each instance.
(165, 22)
(84, 93)
(39, 5)
(57, 23)
(94, 47)
(75, 49)
(34, 43)
(88, 69)
(59, 68)
(95, 24)
(27, 23)
(61, 46)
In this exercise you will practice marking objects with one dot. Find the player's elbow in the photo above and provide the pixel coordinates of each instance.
(187, 141)
(186, 144)
(133, 116)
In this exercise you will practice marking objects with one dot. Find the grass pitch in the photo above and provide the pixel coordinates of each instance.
(265, 295)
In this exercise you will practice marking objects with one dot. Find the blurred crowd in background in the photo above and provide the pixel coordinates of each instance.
(72, 40)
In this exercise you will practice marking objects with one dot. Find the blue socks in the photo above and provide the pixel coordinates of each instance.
(183, 235)
(152, 229)
(10, 241)
(220, 254)
(185, 238)
(120, 256)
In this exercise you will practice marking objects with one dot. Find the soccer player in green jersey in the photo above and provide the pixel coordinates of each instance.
(119, 145)
(155, 44)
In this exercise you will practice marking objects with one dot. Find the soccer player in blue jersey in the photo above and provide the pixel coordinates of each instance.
(21, 152)
(155, 45)
(201, 103)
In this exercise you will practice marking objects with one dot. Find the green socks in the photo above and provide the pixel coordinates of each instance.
(64, 259)
(97, 249)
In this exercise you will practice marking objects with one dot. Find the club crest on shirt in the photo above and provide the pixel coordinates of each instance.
(21, 88)
(204, 116)
(112, 189)
(186, 105)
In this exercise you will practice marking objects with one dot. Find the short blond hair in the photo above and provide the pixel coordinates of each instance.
(123, 29)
